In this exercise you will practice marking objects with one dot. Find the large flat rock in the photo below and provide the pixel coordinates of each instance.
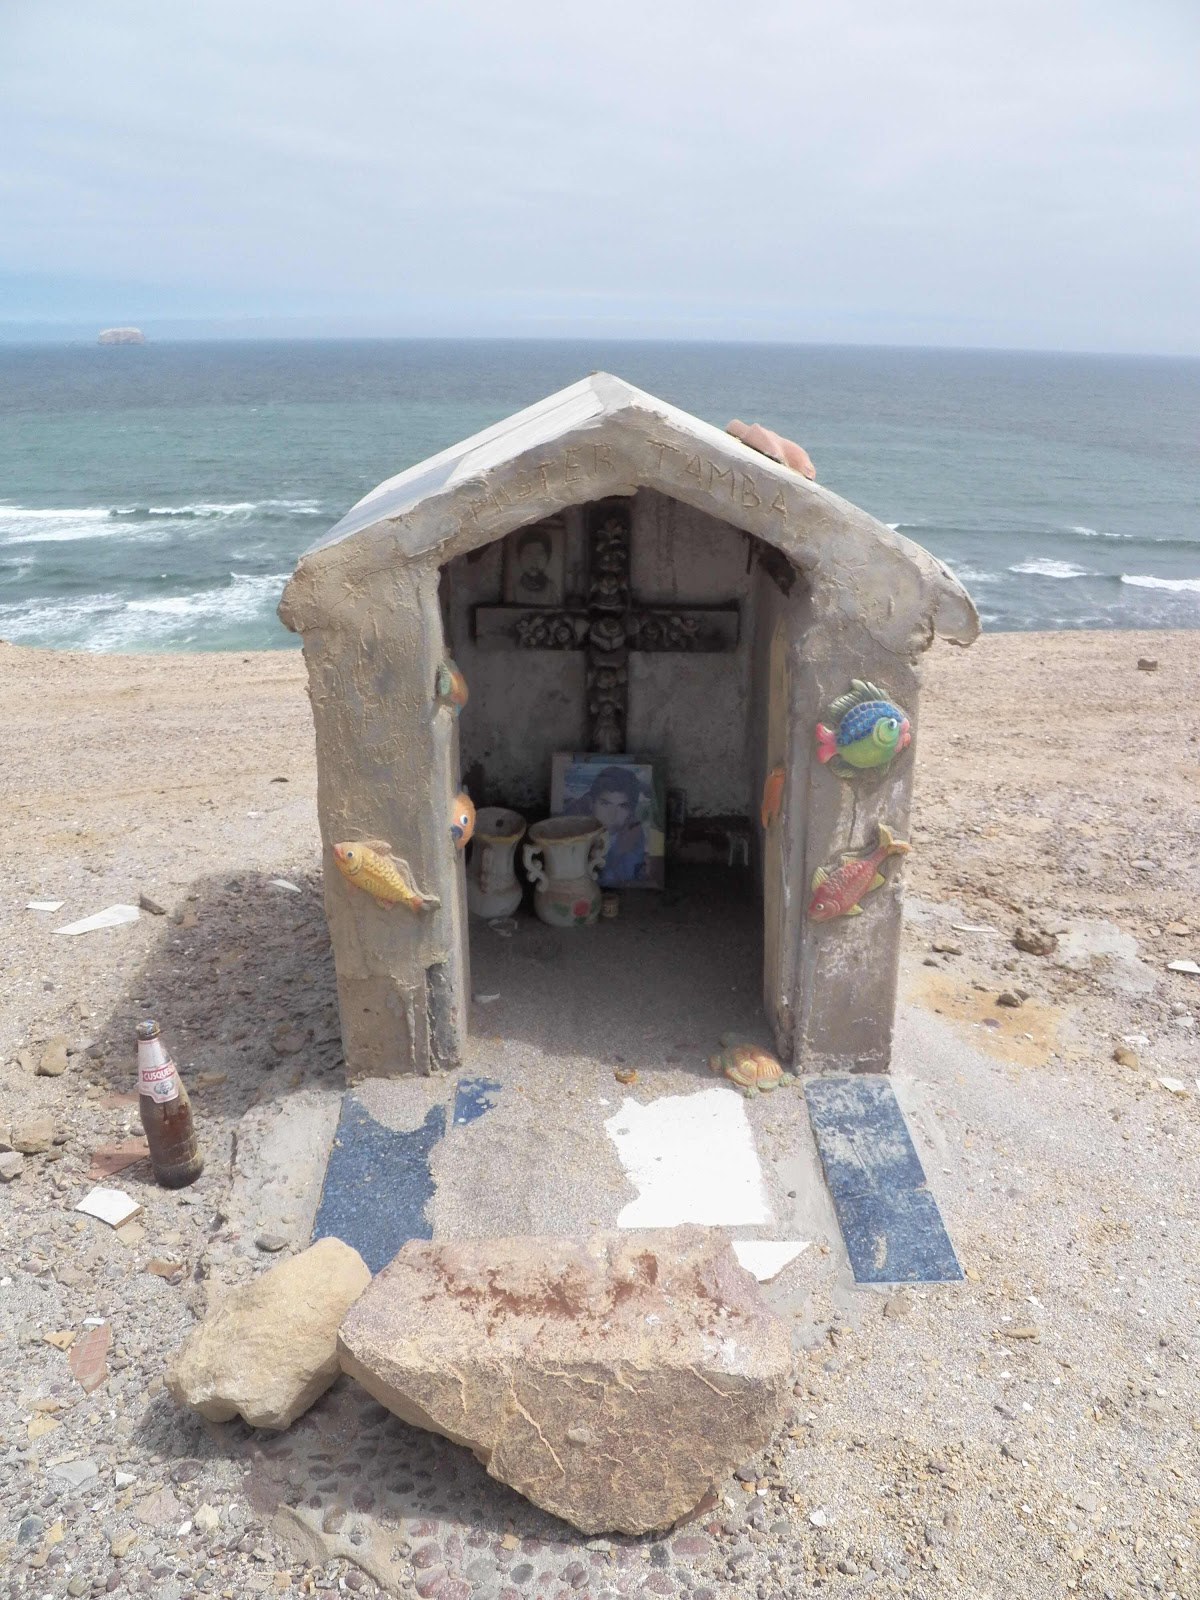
(611, 1381)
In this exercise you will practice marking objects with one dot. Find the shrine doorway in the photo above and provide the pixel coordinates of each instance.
(633, 628)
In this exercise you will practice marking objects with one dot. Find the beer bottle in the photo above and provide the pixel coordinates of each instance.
(166, 1113)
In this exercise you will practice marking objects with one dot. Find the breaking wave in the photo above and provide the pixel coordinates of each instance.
(1045, 567)
(67, 524)
(109, 621)
(1177, 585)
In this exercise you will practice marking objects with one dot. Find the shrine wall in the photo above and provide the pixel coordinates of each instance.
(523, 704)
(691, 709)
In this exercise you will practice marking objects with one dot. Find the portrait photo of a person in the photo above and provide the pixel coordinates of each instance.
(622, 799)
(534, 570)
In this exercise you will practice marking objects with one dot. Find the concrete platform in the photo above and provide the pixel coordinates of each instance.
(541, 1137)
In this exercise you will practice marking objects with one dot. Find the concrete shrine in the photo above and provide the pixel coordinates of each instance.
(604, 574)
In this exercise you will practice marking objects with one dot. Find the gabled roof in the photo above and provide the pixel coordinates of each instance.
(478, 491)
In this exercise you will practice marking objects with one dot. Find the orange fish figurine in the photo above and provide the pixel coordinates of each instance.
(370, 866)
(837, 893)
(462, 820)
(772, 796)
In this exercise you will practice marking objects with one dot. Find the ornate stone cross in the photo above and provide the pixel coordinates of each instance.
(609, 626)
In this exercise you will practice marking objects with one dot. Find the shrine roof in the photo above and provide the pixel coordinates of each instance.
(582, 404)
(513, 472)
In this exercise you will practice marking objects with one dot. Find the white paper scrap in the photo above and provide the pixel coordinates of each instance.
(284, 883)
(973, 927)
(766, 1258)
(1182, 966)
(691, 1157)
(110, 917)
(110, 1205)
(44, 905)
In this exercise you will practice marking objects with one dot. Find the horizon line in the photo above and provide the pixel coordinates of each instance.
(11, 337)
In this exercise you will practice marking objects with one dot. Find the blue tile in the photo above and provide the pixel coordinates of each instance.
(896, 1237)
(473, 1097)
(377, 1183)
(891, 1224)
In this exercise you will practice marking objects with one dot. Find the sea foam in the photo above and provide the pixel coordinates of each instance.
(1178, 585)
(1045, 567)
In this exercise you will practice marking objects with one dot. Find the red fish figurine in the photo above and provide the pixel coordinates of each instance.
(837, 893)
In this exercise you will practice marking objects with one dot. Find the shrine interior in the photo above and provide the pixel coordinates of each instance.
(680, 964)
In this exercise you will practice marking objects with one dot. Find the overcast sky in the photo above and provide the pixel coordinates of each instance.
(1019, 173)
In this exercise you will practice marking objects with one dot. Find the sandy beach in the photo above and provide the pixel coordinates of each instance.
(1035, 1431)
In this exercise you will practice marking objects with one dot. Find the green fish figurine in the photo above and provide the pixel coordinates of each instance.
(868, 730)
(451, 687)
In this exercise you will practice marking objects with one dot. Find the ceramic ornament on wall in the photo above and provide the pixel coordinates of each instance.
(450, 689)
(369, 865)
(864, 730)
(838, 890)
(462, 819)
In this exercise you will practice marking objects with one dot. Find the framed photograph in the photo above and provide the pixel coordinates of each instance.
(627, 794)
(535, 563)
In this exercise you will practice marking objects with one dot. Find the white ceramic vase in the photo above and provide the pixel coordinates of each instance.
(563, 857)
(493, 889)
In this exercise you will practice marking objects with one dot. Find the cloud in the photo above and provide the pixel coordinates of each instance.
(1021, 174)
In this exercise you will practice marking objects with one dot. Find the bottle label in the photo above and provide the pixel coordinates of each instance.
(157, 1077)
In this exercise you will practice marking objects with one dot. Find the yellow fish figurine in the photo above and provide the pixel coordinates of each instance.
(370, 866)
(451, 686)
(462, 819)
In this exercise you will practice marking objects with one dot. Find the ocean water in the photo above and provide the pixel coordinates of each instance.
(156, 497)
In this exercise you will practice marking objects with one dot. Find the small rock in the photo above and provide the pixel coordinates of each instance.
(158, 1510)
(290, 1042)
(152, 906)
(1035, 941)
(121, 1544)
(819, 1518)
(30, 1528)
(1147, 664)
(1006, 997)
(78, 1586)
(207, 1518)
(269, 1349)
(896, 1305)
(11, 1164)
(76, 1473)
(271, 1243)
(161, 1267)
(33, 1138)
(1126, 1057)
(187, 919)
(88, 1357)
(947, 947)
(122, 1480)
(53, 1061)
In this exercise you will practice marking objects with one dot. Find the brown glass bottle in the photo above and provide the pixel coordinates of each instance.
(166, 1113)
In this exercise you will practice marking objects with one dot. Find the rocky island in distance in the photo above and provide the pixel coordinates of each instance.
(120, 336)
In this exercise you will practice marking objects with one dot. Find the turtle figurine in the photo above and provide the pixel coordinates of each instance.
(753, 1069)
